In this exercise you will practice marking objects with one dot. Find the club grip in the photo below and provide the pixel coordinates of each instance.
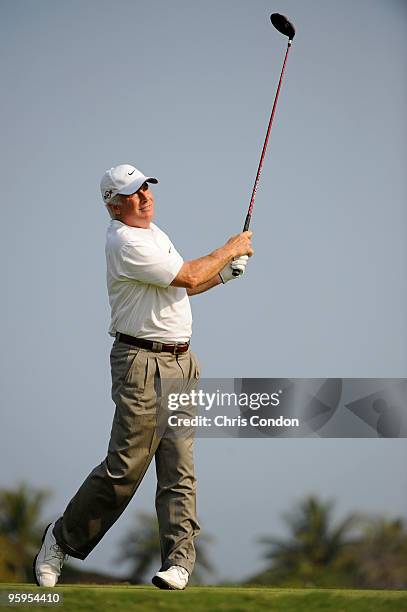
(245, 228)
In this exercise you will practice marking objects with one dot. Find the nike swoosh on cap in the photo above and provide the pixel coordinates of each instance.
(130, 173)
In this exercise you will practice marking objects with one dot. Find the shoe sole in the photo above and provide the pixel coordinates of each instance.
(36, 556)
(162, 584)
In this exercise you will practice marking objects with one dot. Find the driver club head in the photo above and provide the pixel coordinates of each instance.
(283, 25)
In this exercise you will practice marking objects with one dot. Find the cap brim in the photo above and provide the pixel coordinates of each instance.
(135, 185)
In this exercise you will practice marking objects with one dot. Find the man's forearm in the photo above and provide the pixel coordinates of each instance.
(203, 270)
(212, 282)
(206, 268)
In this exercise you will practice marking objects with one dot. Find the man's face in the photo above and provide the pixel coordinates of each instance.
(137, 209)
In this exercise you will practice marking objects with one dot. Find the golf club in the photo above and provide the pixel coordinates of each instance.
(283, 25)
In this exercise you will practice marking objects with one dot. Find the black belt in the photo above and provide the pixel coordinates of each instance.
(157, 347)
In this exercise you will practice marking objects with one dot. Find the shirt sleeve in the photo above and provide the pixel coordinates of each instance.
(150, 264)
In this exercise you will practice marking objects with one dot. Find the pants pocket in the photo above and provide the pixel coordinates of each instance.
(197, 366)
(138, 389)
(122, 357)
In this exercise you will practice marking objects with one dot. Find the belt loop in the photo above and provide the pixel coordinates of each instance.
(175, 351)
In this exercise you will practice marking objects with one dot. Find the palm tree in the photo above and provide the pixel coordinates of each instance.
(20, 529)
(10, 566)
(381, 554)
(141, 547)
(314, 546)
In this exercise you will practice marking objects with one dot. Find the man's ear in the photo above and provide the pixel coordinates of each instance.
(114, 210)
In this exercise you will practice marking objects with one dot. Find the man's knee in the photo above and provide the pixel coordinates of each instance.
(126, 468)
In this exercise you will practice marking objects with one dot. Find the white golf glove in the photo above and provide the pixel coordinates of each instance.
(239, 264)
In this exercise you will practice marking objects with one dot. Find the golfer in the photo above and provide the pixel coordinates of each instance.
(148, 284)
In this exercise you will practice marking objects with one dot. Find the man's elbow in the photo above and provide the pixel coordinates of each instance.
(187, 280)
(193, 282)
(190, 282)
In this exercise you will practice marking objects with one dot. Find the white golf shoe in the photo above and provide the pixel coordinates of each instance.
(176, 577)
(49, 561)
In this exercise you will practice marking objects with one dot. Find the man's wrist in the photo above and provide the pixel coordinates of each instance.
(222, 257)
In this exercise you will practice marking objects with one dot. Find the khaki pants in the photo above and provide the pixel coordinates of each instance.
(138, 376)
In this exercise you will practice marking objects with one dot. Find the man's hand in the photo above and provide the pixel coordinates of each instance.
(239, 264)
(240, 245)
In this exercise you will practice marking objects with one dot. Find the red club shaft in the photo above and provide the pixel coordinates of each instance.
(256, 182)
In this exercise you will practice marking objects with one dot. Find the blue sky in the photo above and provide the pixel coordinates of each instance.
(183, 91)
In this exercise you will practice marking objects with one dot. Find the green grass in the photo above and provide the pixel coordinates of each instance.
(211, 599)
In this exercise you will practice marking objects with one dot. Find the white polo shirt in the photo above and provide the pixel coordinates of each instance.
(141, 264)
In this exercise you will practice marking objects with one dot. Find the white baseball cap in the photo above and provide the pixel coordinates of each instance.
(123, 179)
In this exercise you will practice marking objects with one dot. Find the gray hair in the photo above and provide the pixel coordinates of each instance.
(117, 201)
